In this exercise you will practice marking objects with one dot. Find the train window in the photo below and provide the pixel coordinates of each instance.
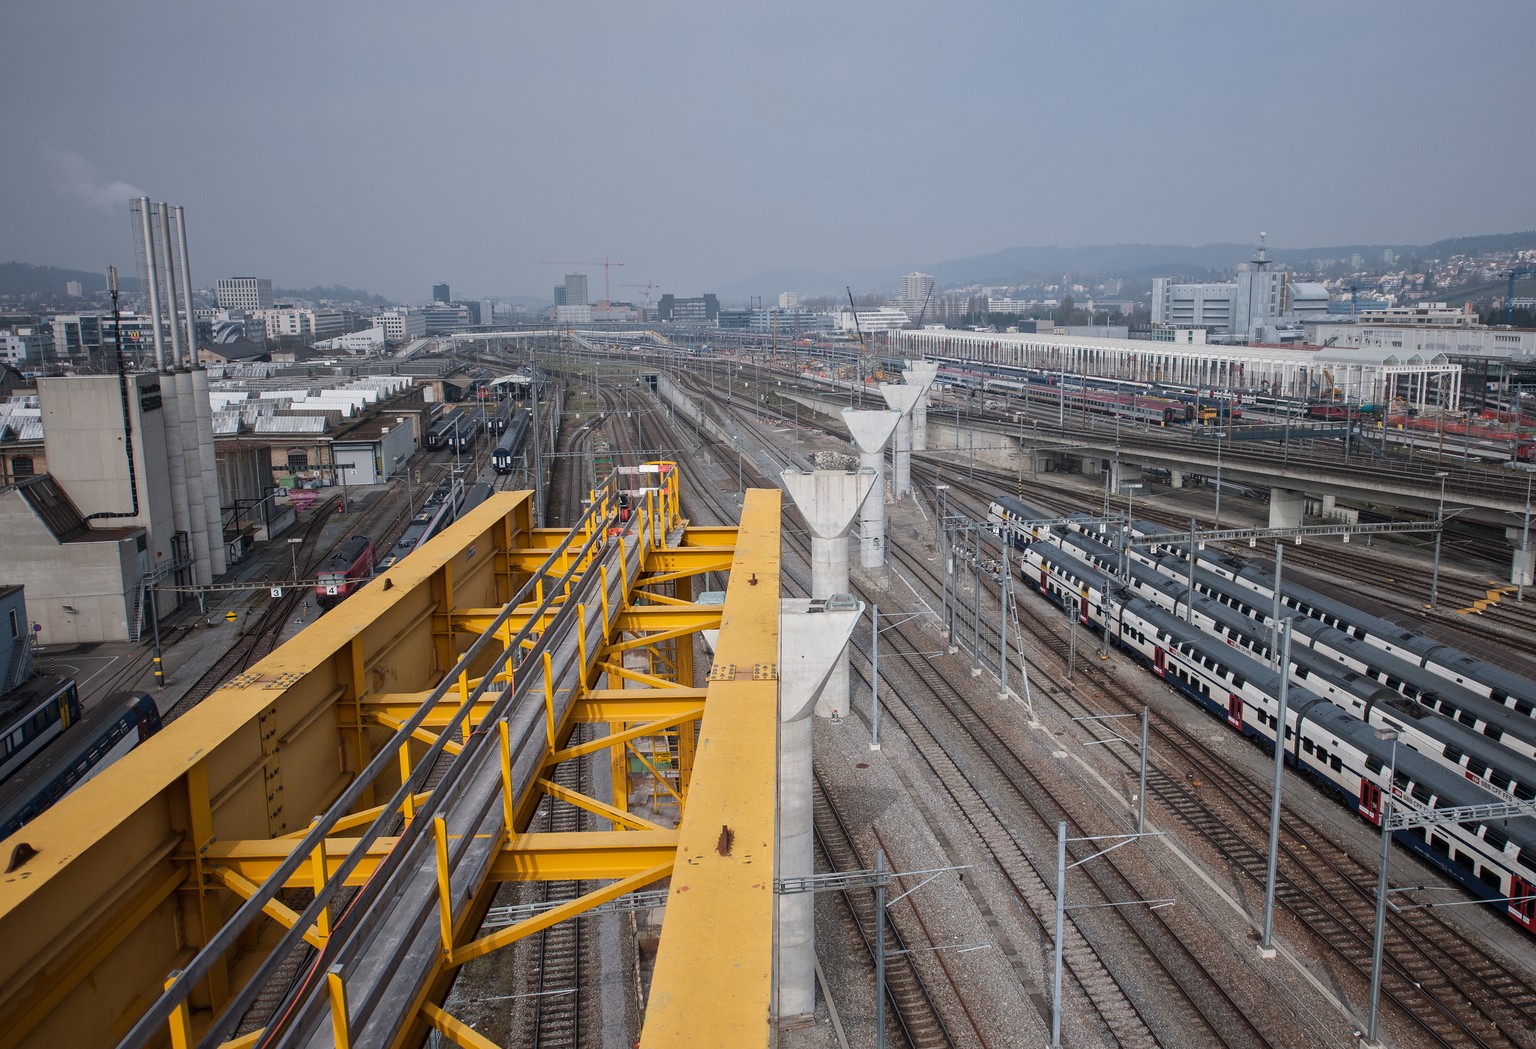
(1499, 779)
(1464, 861)
(1528, 864)
(1373, 763)
(1522, 707)
(1438, 843)
(1420, 793)
(1306, 745)
(1447, 708)
(1453, 754)
(1466, 718)
(1399, 779)
(1336, 764)
(1493, 732)
(1523, 792)
(1494, 837)
(1498, 695)
(1490, 877)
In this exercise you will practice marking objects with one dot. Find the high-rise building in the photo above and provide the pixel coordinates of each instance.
(440, 293)
(576, 290)
(559, 294)
(788, 300)
(915, 287)
(244, 293)
(72, 289)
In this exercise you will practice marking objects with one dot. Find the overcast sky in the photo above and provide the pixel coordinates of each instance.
(390, 145)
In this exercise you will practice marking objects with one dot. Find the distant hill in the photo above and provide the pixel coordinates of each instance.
(20, 279)
(1022, 265)
(336, 293)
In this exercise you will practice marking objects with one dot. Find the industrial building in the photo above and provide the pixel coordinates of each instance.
(1260, 305)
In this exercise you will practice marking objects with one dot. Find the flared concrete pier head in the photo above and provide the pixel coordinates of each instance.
(828, 499)
(900, 397)
(870, 431)
(922, 375)
(813, 633)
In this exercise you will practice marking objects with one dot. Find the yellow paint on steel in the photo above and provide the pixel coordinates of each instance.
(618, 817)
(559, 913)
(651, 728)
(583, 855)
(218, 801)
(455, 1030)
(710, 988)
(92, 922)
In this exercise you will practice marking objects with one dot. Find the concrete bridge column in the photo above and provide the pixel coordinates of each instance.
(1092, 465)
(901, 398)
(1286, 508)
(809, 646)
(870, 431)
(1330, 506)
(1521, 565)
(828, 499)
(920, 374)
(1175, 478)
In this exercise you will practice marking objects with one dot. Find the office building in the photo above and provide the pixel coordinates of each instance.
(440, 293)
(575, 290)
(402, 325)
(76, 336)
(704, 309)
(244, 293)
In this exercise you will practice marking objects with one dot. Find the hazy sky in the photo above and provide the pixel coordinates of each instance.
(391, 145)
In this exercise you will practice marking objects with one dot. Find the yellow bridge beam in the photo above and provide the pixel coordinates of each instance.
(121, 885)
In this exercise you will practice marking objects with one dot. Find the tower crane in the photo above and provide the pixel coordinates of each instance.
(606, 263)
(649, 286)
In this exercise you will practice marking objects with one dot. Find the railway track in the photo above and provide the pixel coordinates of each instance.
(1434, 976)
(913, 1007)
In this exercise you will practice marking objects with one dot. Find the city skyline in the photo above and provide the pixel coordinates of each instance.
(407, 148)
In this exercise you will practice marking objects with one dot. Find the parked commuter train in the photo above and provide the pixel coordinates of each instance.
(77, 758)
(1494, 860)
(1421, 686)
(437, 513)
(510, 449)
(344, 571)
(1131, 406)
(33, 715)
(439, 432)
(470, 428)
(1463, 749)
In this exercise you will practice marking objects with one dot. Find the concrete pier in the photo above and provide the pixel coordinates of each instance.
(922, 375)
(812, 635)
(1524, 560)
(828, 499)
(901, 398)
(1286, 508)
(870, 431)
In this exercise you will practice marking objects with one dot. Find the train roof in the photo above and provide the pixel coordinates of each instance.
(1508, 681)
(1448, 787)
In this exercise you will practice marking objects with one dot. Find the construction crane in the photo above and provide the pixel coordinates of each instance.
(606, 263)
(924, 311)
(858, 328)
(649, 286)
(1509, 295)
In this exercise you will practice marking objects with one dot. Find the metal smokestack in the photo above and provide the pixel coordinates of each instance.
(212, 504)
(168, 254)
(152, 274)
